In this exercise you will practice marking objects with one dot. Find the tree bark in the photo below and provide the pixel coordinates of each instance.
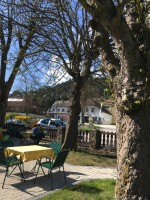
(3, 103)
(3, 107)
(71, 135)
(133, 139)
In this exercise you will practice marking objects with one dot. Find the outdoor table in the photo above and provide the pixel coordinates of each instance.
(30, 152)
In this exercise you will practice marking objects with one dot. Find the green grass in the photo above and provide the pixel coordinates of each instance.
(88, 127)
(92, 158)
(89, 190)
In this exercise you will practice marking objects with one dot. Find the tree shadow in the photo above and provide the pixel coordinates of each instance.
(84, 189)
(98, 153)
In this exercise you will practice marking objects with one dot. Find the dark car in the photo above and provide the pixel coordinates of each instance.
(18, 122)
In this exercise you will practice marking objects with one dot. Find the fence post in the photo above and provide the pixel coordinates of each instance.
(92, 139)
(98, 139)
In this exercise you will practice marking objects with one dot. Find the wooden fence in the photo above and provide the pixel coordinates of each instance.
(95, 139)
(52, 134)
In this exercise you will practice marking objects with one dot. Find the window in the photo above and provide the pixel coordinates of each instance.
(63, 110)
(92, 110)
(58, 109)
(87, 109)
(52, 123)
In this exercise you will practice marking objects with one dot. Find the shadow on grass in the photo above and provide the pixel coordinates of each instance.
(84, 189)
(97, 154)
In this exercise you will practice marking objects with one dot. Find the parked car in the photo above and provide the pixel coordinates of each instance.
(51, 122)
(56, 123)
(18, 122)
(44, 122)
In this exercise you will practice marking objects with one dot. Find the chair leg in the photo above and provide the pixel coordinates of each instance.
(43, 170)
(5, 177)
(36, 175)
(21, 173)
(34, 167)
(12, 170)
(51, 179)
(64, 175)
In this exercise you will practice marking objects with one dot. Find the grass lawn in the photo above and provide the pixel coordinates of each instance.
(92, 158)
(89, 190)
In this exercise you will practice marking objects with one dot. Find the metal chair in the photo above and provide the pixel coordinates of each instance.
(56, 146)
(6, 138)
(52, 164)
(10, 161)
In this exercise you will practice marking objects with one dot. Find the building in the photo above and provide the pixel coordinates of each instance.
(59, 109)
(92, 110)
(97, 112)
(20, 105)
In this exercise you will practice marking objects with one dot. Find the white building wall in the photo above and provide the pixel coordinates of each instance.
(94, 112)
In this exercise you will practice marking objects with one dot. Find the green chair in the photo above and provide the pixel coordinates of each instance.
(6, 143)
(10, 161)
(52, 164)
(56, 146)
(6, 138)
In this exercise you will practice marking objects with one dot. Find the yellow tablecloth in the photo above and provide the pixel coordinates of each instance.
(30, 152)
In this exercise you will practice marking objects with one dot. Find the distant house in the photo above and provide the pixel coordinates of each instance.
(23, 106)
(97, 112)
(92, 110)
(59, 109)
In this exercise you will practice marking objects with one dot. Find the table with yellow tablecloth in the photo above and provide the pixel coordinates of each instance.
(30, 152)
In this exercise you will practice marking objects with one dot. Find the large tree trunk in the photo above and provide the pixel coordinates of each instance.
(127, 62)
(133, 152)
(71, 135)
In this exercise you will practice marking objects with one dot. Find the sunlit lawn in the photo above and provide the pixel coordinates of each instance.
(89, 190)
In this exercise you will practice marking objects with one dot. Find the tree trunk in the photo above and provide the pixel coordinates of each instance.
(3, 108)
(133, 152)
(82, 115)
(71, 135)
(3, 104)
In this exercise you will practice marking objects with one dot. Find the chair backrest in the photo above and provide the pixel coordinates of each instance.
(60, 159)
(6, 137)
(2, 157)
(56, 146)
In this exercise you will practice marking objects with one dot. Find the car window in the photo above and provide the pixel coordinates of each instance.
(52, 123)
(61, 123)
(45, 121)
(19, 121)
